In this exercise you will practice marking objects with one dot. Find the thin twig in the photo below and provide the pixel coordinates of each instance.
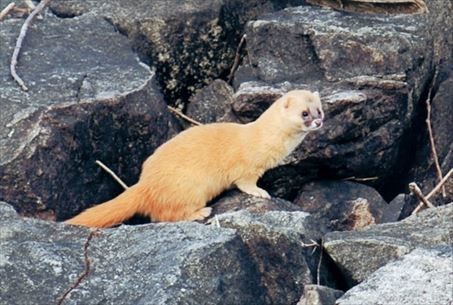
(318, 269)
(85, 271)
(7, 10)
(364, 179)
(20, 39)
(417, 192)
(30, 4)
(434, 190)
(182, 115)
(430, 133)
(108, 170)
(237, 58)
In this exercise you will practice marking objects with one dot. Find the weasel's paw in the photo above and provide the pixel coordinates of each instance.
(205, 212)
(259, 192)
(200, 214)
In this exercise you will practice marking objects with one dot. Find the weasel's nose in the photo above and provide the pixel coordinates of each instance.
(318, 122)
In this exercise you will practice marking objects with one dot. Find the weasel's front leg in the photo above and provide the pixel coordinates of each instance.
(248, 185)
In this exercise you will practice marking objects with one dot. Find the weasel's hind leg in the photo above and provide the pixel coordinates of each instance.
(199, 214)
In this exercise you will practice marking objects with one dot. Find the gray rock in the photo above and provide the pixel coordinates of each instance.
(181, 263)
(190, 43)
(274, 240)
(359, 253)
(420, 277)
(397, 208)
(235, 200)
(212, 103)
(342, 205)
(319, 295)
(90, 98)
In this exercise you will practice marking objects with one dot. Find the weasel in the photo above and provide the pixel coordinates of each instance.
(198, 164)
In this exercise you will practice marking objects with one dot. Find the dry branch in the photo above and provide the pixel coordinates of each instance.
(318, 269)
(434, 190)
(237, 58)
(182, 115)
(20, 39)
(85, 271)
(7, 10)
(417, 192)
(430, 133)
(108, 170)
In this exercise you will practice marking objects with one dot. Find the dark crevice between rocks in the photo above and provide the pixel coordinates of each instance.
(413, 140)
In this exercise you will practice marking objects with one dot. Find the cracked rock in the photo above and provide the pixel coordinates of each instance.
(90, 98)
(177, 263)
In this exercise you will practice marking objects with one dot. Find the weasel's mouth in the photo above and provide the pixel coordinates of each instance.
(316, 124)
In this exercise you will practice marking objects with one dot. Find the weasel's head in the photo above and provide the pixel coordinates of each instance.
(303, 110)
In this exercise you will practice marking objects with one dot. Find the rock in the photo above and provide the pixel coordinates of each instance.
(212, 103)
(274, 240)
(319, 295)
(342, 205)
(359, 253)
(189, 43)
(376, 6)
(90, 98)
(151, 264)
(233, 201)
(373, 72)
(420, 277)
(396, 209)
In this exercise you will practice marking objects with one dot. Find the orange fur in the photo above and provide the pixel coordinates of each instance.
(201, 162)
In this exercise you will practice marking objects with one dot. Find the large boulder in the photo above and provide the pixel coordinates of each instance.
(189, 42)
(181, 263)
(420, 277)
(359, 253)
(89, 98)
(342, 205)
(276, 242)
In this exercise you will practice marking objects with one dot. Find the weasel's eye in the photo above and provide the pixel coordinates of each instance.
(319, 112)
(305, 114)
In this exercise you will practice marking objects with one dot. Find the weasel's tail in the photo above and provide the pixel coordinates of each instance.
(112, 212)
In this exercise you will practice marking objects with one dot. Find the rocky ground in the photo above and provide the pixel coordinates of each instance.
(100, 77)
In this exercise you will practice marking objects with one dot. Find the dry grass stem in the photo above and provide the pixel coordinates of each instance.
(318, 269)
(364, 179)
(237, 58)
(20, 39)
(185, 117)
(430, 133)
(7, 10)
(434, 190)
(108, 170)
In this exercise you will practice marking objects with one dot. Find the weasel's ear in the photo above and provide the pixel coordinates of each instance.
(316, 93)
(287, 102)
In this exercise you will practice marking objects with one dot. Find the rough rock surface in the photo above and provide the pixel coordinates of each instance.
(190, 43)
(212, 103)
(342, 205)
(236, 200)
(360, 253)
(89, 98)
(420, 277)
(177, 263)
(319, 295)
(274, 240)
